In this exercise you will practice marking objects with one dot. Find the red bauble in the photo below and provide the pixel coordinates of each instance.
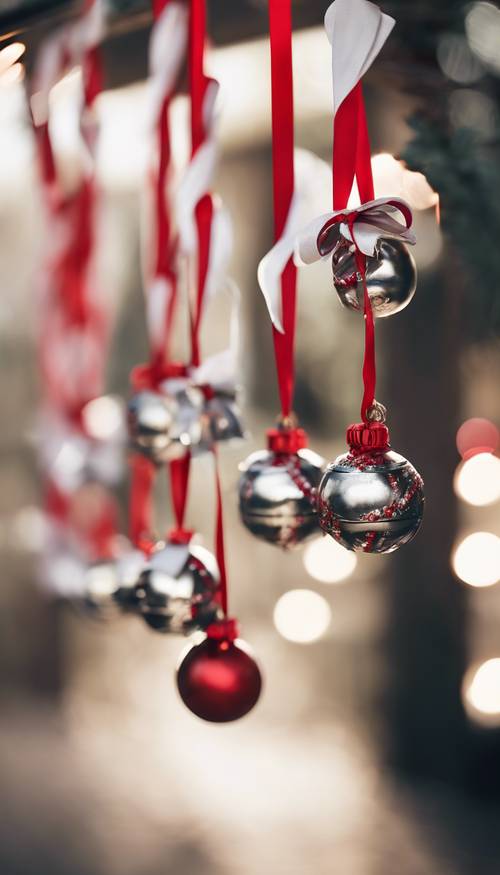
(219, 680)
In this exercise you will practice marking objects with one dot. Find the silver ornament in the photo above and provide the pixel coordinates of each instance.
(220, 420)
(391, 277)
(277, 495)
(129, 567)
(372, 502)
(162, 427)
(177, 590)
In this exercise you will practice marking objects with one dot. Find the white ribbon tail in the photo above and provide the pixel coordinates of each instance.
(356, 30)
(273, 264)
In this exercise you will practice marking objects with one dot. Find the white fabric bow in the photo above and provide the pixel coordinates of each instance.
(373, 220)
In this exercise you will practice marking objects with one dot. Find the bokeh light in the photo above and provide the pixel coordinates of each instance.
(302, 616)
(477, 435)
(476, 560)
(10, 55)
(482, 27)
(327, 561)
(457, 61)
(391, 177)
(481, 692)
(477, 480)
(470, 108)
(103, 417)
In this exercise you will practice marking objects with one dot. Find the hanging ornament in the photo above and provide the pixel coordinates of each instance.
(177, 591)
(221, 419)
(371, 498)
(278, 489)
(218, 678)
(278, 486)
(129, 567)
(163, 427)
(391, 277)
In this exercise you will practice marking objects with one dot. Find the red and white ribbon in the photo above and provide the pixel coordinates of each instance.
(167, 51)
(74, 320)
(356, 30)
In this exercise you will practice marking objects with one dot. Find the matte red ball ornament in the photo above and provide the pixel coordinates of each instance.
(219, 679)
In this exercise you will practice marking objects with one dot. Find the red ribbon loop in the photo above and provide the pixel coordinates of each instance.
(286, 440)
(150, 375)
(363, 437)
(224, 630)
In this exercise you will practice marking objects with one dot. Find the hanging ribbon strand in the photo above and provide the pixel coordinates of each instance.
(167, 51)
(75, 320)
(280, 30)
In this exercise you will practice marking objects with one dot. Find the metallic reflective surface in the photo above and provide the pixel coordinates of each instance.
(129, 567)
(371, 503)
(277, 496)
(391, 277)
(182, 602)
(220, 420)
(161, 427)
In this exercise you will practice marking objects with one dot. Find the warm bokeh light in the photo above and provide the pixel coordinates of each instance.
(481, 692)
(471, 108)
(12, 75)
(482, 26)
(476, 560)
(457, 61)
(103, 417)
(391, 177)
(477, 435)
(10, 55)
(302, 616)
(477, 480)
(327, 561)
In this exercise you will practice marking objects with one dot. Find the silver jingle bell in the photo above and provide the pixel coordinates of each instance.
(277, 495)
(373, 502)
(129, 567)
(391, 277)
(177, 591)
(220, 420)
(162, 427)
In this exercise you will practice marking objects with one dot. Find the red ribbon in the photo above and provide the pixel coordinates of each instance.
(219, 538)
(166, 241)
(286, 440)
(351, 158)
(179, 484)
(280, 31)
(198, 83)
(141, 502)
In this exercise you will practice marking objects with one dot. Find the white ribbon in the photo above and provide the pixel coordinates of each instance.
(167, 50)
(65, 49)
(356, 31)
(198, 176)
(375, 219)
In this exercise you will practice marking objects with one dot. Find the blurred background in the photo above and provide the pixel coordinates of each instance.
(376, 746)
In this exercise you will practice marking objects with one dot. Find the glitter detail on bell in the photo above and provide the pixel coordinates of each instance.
(391, 277)
(278, 494)
(371, 501)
